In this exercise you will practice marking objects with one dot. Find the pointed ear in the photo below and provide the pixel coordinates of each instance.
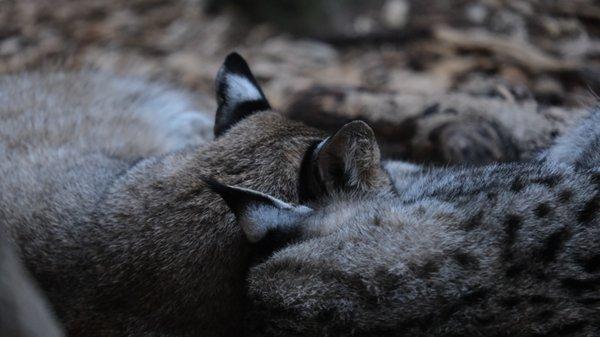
(238, 94)
(260, 214)
(348, 160)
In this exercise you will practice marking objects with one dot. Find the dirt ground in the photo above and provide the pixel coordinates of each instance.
(441, 81)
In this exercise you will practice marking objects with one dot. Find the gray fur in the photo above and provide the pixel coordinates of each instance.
(579, 147)
(502, 250)
(23, 310)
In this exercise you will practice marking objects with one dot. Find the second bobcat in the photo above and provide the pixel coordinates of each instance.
(500, 250)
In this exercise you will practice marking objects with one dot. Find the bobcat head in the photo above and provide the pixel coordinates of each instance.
(302, 164)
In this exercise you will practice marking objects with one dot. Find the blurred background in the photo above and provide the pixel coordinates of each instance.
(441, 81)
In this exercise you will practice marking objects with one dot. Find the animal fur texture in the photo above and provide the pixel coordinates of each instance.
(23, 310)
(507, 249)
(102, 192)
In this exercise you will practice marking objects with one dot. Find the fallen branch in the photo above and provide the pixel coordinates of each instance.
(530, 57)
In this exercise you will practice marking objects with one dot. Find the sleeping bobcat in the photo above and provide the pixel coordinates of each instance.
(101, 193)
(502, 250)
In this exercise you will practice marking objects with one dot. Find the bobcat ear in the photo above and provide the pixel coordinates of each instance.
(238, 94)
(257, 213)
(348, 160)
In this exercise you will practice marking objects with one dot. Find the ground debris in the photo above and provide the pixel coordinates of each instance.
(544, 52)
(439, 128)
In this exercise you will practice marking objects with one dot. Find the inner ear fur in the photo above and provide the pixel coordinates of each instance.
(348, 160)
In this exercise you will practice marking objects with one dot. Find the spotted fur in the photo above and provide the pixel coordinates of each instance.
(501, 250)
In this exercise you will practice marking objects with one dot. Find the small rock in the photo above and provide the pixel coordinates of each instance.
(548, 85)
(395, 13)
(10, 46)
(477, 13)
(363, 24)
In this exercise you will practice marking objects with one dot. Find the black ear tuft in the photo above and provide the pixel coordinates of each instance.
(235, 63)
(238, 93)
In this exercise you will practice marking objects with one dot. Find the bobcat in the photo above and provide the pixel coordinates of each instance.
(507, 249)
(102, 193)
(23, 311)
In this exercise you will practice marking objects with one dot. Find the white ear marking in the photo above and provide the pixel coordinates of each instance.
(276, 202)
(240, 89)
(238, 94)
(257, 212)
(260, 219)
(321, 144)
